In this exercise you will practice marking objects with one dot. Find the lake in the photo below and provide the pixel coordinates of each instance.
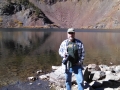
(24, 51)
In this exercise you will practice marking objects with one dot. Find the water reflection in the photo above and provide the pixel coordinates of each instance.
(22, 53)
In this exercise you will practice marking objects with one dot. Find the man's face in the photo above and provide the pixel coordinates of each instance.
(71, 35)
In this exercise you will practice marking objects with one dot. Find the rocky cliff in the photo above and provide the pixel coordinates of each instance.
(100, 14)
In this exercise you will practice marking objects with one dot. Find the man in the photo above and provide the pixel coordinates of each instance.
(72, 52)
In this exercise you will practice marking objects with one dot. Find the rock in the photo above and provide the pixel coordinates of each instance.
(96, 84)
(88, 87)
(93, 67)
(97, 77)
(43, 77)
(39, 71)
(87, 75)
(57, 77)
(117, 69)
(32, 78)
(104, 67)
(105, 89)
(111, 76)
(55, 67)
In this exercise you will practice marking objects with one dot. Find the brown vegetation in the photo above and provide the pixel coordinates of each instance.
(99, 14)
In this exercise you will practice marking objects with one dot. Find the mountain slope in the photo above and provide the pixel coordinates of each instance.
(100, 14)
(83, 13)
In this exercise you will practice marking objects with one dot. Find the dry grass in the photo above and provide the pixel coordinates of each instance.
(1, 20)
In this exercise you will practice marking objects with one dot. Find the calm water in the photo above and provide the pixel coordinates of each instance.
(23, 51)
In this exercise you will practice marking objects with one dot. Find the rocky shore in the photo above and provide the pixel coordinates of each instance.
(96, 77)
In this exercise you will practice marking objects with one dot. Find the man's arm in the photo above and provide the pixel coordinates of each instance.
(81, 52)
(62, 49)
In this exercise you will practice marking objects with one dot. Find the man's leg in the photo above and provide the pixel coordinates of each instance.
(68, 76)
(79, 77)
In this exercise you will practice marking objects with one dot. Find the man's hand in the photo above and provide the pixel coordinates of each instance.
(65, 60)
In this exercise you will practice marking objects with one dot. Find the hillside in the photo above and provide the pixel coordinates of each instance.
(100, 14)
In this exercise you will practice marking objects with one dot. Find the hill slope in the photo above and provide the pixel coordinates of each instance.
(103, 14)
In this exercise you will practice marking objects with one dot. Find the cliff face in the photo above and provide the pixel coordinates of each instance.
(103, 14)
(83, 13)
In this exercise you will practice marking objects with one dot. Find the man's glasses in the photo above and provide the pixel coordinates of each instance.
(70, 32)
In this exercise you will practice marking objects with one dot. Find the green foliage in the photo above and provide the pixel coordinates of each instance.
(28, 4)
(24, 2)
(37, 10)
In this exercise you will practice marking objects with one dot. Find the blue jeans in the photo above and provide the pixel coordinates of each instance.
(77, 70)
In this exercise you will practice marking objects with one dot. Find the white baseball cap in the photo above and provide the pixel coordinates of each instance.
(71, 30)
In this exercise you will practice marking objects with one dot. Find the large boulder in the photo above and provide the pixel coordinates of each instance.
(96, 77)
